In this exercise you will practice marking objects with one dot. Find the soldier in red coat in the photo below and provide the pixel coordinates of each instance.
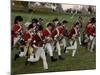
(73, 34)
(38, 43)
(47, 34)
(74, 31)
(34, 25)
(57, 35)
(90, 29)
(24, 43)
(16, 30)
(64, 32)
(91, 33)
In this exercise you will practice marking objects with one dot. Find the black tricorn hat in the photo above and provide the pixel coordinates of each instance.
(40, 19)
(34, 20)
(64, 21)
(93, 20)
(18, 18)
(56, 19)
(59, 24)
(49, 24)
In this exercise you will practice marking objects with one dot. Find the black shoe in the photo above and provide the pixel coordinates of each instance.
(16, 56)
(55, 48)
(53, 59)
(64, 49)
(61, 58)
(46, 53)
(31, 63)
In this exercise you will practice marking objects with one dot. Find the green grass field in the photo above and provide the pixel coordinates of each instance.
(83, 60)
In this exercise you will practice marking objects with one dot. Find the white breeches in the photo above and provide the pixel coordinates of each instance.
(39, 54)
(73, 47)
(48, 46)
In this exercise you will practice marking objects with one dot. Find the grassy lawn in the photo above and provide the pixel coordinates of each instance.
(48, 17)
(83, 59)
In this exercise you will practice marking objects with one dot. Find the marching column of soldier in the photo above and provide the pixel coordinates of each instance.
(36, 42)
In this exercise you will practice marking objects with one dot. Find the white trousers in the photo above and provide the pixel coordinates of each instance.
(64, 42)
(16, 40)
(49, 48)
(28, 49)
(91, 43)
(58, 48)
(39, 54)
(79, 39)
(73, 47)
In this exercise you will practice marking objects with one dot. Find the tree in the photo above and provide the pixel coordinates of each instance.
(90, 9)
(59, 8)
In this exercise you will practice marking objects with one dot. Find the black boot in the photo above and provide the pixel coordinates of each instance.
(61, 58)
(46, 53)
(16, 56)
(28, 62)
(55, 48)
(53, 59)
(64, 49)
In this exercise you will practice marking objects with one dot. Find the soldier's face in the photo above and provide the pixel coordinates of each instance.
(40, 33)
(77, 26)
(56, 22)
(50, 27)
(94, 24)
(64, 24)
(41, 21)
(34, 24)
(20, 23)
(31, 30)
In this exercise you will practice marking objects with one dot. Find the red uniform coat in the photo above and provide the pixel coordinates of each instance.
(58, 31)
(93, 31)
(61, 30)
(37, 40)
(16, 29)
(47, 35)
(54, 32)
(46, 32)
(90, 29)
(72, 32)
(26, 36)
